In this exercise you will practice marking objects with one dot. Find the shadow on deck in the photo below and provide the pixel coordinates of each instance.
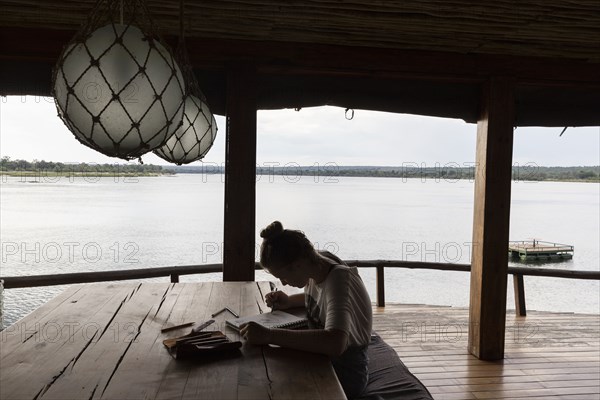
(547, 354)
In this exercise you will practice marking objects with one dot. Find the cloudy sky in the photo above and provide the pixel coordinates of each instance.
(30, 129)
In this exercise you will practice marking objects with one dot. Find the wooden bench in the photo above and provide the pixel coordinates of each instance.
(389, 378)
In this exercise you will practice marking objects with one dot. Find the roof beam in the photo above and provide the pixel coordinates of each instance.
(548, 92)
(30, 44)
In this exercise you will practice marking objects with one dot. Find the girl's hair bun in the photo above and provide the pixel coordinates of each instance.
(274, 229)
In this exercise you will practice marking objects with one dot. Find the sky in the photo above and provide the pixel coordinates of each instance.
(31, 130)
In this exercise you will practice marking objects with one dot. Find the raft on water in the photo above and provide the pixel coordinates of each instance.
(537, 250)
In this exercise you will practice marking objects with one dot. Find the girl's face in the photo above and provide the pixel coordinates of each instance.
(293, 274)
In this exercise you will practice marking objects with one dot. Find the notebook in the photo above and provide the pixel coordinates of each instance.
(274, 319)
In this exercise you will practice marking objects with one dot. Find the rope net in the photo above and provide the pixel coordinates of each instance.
(117, 86)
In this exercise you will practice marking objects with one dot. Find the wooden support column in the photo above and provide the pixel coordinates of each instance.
(380, 286)
(519, 287)
(240, 175)
(489, 261)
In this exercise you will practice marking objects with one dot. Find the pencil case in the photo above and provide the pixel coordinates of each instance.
(199, 343)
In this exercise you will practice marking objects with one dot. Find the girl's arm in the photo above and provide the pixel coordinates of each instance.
(281, 301)
(296, 300)
(329, 342)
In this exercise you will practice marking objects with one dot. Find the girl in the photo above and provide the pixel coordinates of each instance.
(337, 304)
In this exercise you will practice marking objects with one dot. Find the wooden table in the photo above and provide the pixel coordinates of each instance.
(105, 341)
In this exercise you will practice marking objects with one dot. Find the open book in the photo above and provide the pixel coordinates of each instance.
(274, 319)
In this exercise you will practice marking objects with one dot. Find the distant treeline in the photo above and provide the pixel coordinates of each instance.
(9, 166)
(526, 172)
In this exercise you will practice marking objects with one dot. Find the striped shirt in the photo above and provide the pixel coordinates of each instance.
(340, 302)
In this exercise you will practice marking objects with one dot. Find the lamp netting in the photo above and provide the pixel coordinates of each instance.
(116, 85)
(197, 133)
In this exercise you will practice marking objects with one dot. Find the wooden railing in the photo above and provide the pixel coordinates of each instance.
(11, 282)
(517, 273)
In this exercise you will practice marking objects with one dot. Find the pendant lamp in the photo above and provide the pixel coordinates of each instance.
(198, 131)
(116, 85)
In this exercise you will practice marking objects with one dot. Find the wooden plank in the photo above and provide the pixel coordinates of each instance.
(592, 381)
(542, 379)
(253, 379)
(192, 305)
(240, 175)
(217, 378)
(212, 377)
(499, 387)
(491, 221)
(40, 361)
(565, 366)
(454, 396)
(100, 366)
(591, 391)
(138, 370)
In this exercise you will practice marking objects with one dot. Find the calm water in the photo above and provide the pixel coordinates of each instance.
(92, 224)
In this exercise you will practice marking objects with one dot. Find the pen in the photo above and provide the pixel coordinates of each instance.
(172, 328)
(273, 303)
(225, 309)
(202, 326)
(232, 313)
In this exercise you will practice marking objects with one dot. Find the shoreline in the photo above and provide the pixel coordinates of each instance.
(83, 174)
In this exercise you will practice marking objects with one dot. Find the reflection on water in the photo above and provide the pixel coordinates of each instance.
(93, 224)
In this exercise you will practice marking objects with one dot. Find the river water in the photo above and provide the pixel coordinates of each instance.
(66, 224)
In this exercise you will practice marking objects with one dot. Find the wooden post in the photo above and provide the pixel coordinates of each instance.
(240, 175)
(380, 286)
(489, 261)
(519, 287)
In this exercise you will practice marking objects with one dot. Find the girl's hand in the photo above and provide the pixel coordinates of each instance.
(255, 333)
(277, 300)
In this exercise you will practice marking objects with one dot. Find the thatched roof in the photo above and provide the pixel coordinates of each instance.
(422, 56)
(547, 28)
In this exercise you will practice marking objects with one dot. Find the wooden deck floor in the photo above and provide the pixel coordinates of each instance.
(547, 355)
